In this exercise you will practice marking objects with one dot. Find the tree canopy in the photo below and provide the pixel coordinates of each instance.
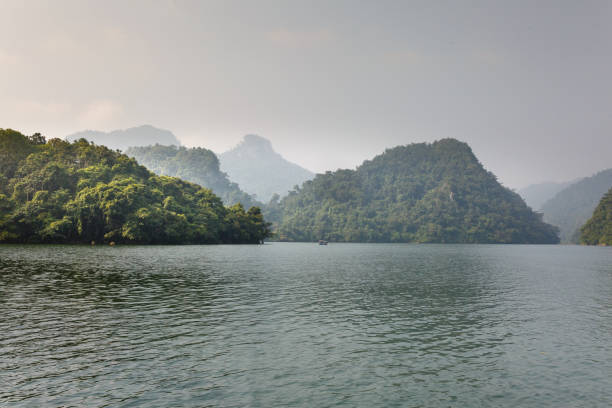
(571, 208)
(435, 192)
(197, 165)
(598, 229)
(60, 192)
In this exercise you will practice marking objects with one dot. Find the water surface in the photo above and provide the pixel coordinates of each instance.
(302, 325)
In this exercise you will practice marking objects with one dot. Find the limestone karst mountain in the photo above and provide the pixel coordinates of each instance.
(60, 192)
(197, 165)
(598, 229)
(423, 192)
(261, 171)
(572, 207)
(122, 139)
(535, 195)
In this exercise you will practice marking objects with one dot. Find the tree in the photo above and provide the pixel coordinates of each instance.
(598, 229)
(55, 191)
(435, 192)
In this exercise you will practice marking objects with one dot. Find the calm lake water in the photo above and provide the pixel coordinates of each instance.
(302, 325)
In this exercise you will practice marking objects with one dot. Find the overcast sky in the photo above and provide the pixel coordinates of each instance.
(526, 83)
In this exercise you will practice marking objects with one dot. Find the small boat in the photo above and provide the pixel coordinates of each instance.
(322, 242)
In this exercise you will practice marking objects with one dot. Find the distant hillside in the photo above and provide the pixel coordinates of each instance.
(197, 165)
(572, 207)
(536, 195)
(124, 138)
(259, 170)
(435, 192)
(59, 192)
(598, 229)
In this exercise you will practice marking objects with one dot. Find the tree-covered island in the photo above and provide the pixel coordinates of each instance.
(436, 192)
(60, 192)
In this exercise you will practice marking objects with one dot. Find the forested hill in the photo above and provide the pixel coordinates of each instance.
(122, 139)
(598, 229)
(574, 205)
(259, 170)
(60, 192)
(435, 192)
(536, 195)
(198, 165)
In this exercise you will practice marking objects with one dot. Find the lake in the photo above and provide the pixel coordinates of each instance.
(302, 325)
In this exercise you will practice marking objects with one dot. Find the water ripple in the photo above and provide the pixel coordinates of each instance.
(302, 325)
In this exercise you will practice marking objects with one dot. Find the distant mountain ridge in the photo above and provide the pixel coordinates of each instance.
(436, 192)
(261, 171)
(535, 195)
(122, 139)
(197, 165)
(572, 207)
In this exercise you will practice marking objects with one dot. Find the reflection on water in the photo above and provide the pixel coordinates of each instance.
(304, 325)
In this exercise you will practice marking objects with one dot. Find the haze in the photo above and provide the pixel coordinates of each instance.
(526, 84)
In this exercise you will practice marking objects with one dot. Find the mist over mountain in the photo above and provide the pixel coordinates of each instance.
(572, 207)
(535, 195)
(197, 165)
(598, 229)
(123, 139)
(259, 170)
(422, 192)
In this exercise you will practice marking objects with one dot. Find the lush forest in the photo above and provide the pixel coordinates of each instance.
(598, 229)
(260, 171)
(60, 192)
(198, 165)
(435, 192)
(574, 205)
(122, 139)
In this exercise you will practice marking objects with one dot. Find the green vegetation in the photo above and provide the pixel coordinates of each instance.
(418, 193)
(598, 229)
(197, 165)
(574, 205)
(61, 192)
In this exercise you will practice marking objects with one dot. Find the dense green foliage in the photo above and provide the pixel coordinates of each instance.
(598, 229)
(574, 205)
(418, 193)
(198, 165)
(260, 171)
(78, 192)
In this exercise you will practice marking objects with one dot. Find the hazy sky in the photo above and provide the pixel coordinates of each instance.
(526, 83)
